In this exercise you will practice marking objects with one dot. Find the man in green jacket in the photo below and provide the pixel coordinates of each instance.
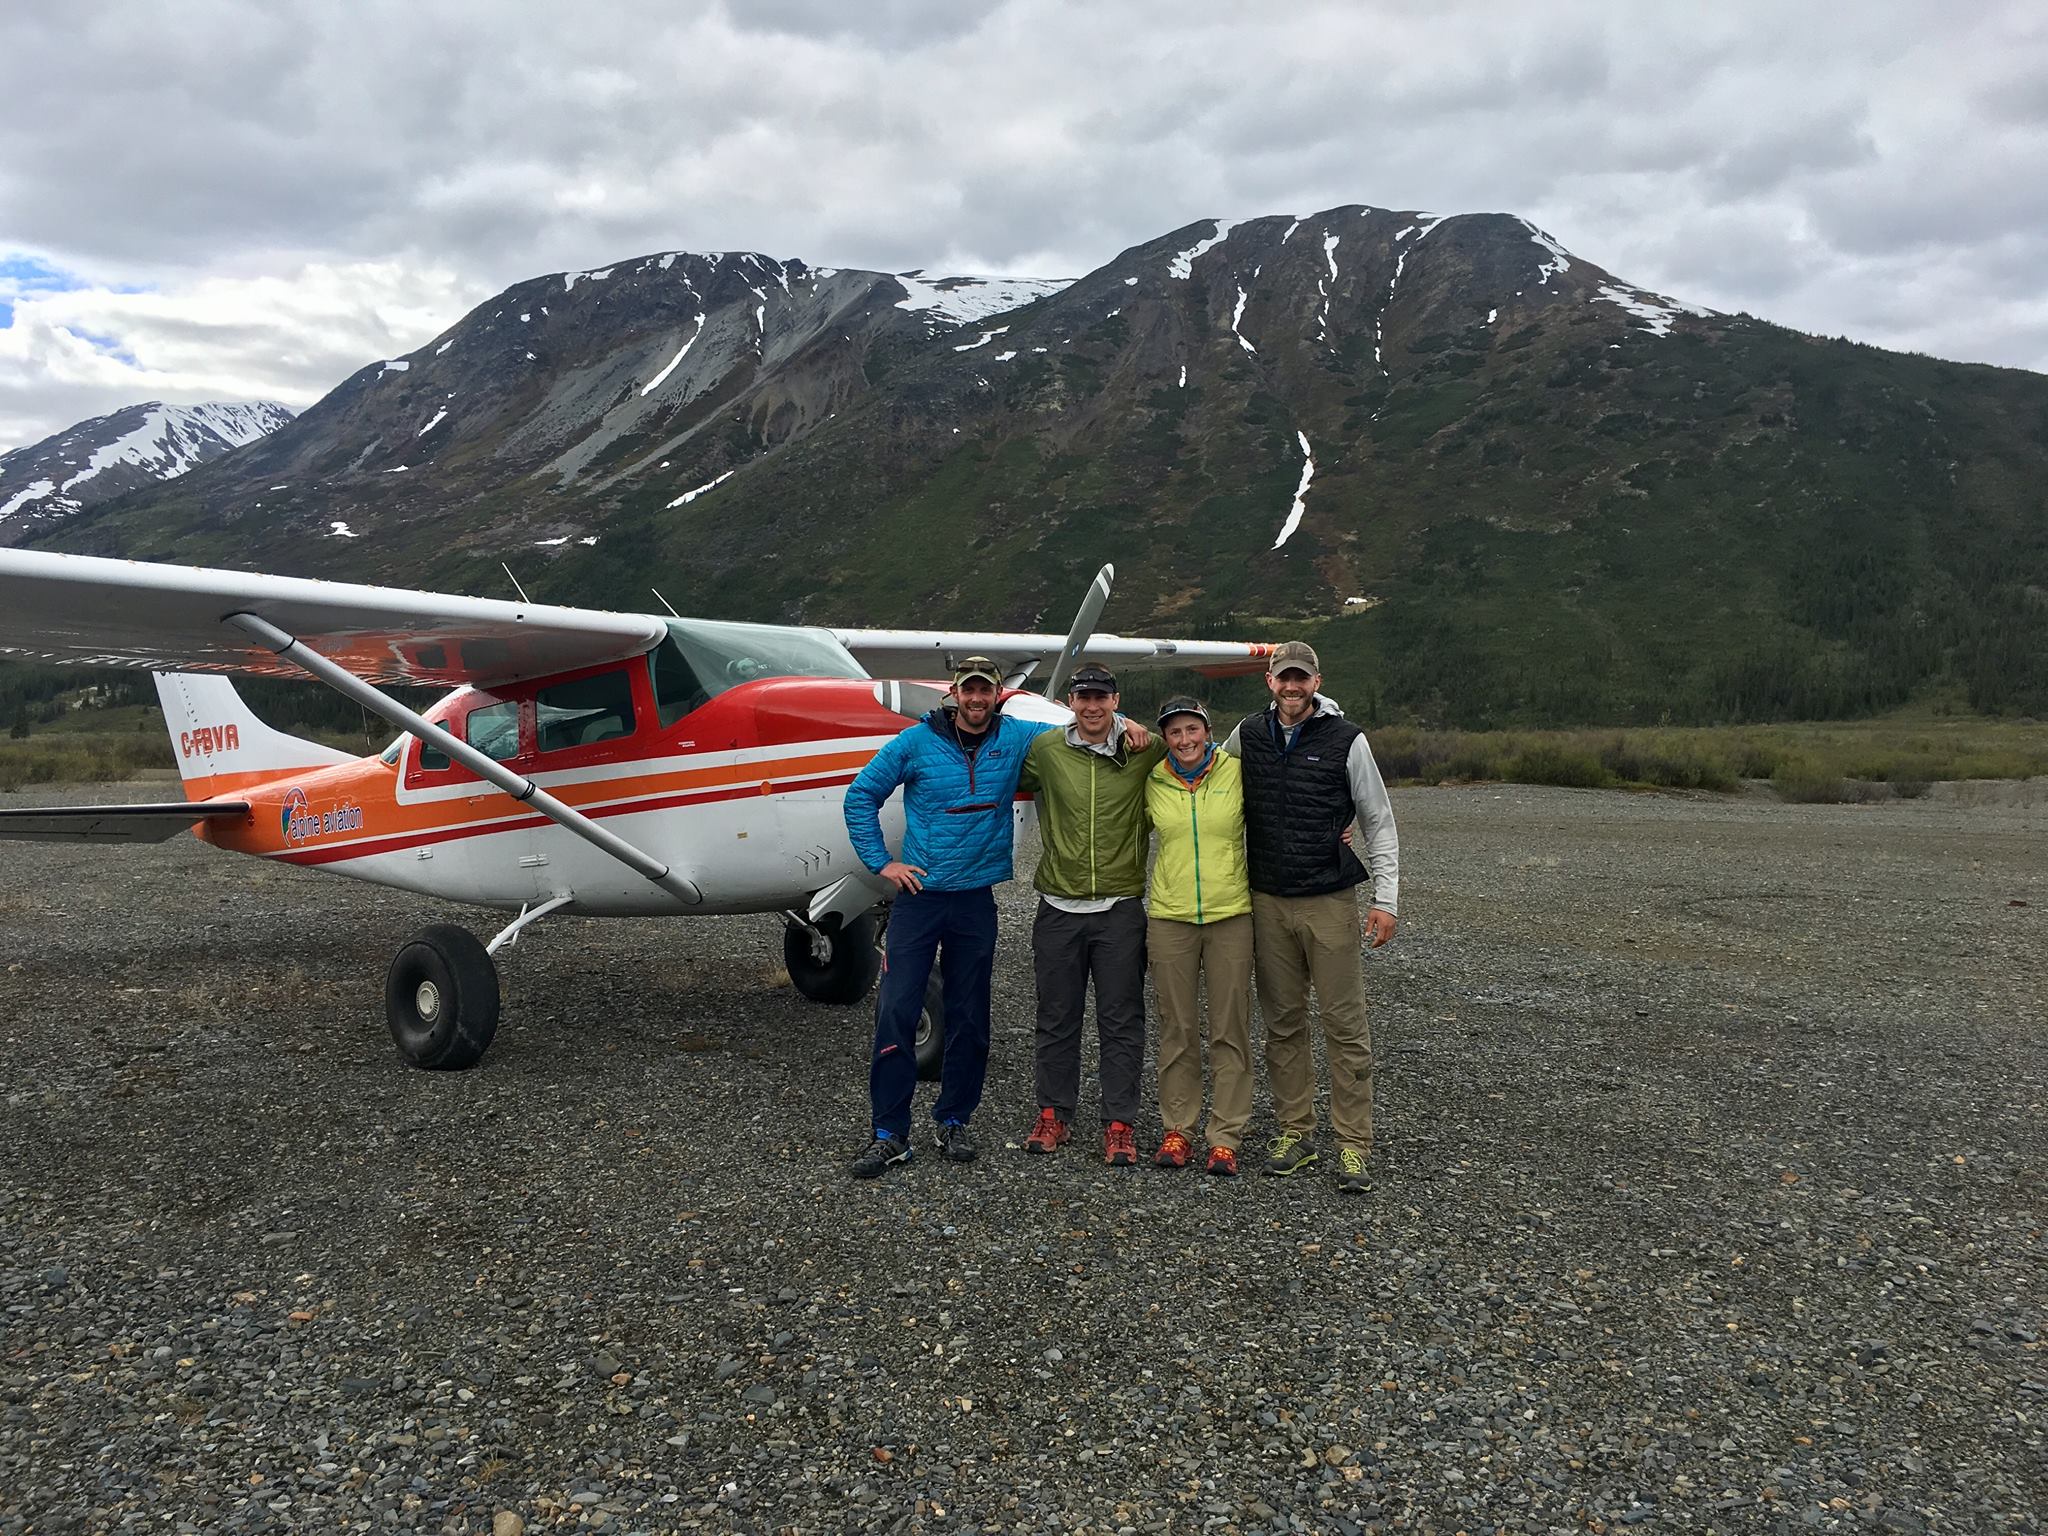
(1090, 785)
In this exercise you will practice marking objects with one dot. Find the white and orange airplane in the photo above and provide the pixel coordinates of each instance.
(606, 764)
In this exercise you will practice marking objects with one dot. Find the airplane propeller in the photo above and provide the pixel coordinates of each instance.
(1082, 631)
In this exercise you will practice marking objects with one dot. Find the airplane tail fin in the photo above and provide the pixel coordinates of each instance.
(220, 743)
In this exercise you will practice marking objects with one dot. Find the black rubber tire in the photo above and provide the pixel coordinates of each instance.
(931, 1031)
(846, 976)
(464, 1002)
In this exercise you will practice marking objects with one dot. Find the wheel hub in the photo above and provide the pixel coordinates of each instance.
(427, 1000)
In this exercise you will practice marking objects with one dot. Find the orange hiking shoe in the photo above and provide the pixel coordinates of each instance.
(1120, 1145)
(1173, 1151)
(1049, 1134)
(1223, 1162)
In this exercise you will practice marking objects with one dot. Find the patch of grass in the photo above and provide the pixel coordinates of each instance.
(78, 758)
(1823, 763)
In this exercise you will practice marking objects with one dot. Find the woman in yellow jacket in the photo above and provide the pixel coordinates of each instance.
(1199, 929)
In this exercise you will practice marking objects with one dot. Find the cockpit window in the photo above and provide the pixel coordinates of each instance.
(676, 689)
(586, 711)
(724, 655)
(493, 729)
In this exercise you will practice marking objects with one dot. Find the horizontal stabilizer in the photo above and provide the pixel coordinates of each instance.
(112, 823)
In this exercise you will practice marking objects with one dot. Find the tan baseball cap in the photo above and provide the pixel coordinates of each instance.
(978, 666)
(1295, 654)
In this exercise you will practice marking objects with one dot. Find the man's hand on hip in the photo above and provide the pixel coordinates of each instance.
(1378, 927)
(903, 876)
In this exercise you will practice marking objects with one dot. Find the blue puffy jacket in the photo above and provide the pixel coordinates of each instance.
(958, 826)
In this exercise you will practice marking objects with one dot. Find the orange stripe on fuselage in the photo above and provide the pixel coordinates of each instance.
(370, 786)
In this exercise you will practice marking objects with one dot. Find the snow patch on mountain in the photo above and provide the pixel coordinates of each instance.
(964, 300)
(689, 496)
(656, 382)
(1308, 473)
(34, 492)
(1560, 258)
(1656, 311)
(1183, 265)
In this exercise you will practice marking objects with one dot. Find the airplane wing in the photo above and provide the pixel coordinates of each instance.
(933, 652)
(129, 613)
(112, 823)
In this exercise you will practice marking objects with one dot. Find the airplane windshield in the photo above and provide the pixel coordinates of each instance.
(725, 655)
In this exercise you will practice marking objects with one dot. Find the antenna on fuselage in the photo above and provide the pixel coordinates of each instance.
(671, 607)
(515, 582)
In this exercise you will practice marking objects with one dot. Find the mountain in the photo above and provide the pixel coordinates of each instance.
(136, 446)
(1492, 481)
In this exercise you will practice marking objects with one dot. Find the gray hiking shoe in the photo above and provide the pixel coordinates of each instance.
(884, 1151)
(1354, 1174)
(956, 1142)
(1290, 1154)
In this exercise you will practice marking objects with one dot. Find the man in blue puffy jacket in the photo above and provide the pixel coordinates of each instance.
(958, 770)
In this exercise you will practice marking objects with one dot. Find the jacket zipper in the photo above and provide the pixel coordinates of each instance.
(1195, 826)
(1094, 885)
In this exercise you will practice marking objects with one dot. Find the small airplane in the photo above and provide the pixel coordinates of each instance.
(607, 764)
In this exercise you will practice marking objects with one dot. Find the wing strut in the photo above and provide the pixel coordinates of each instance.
(489, 769)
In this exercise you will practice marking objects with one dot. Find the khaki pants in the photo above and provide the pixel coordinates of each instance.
(1304, 942)
(1184, 956)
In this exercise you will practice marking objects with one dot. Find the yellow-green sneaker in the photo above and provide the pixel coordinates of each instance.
(1353, 1175)
(1290, 1154)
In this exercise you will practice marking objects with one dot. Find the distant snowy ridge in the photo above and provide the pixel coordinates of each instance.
(147, 442)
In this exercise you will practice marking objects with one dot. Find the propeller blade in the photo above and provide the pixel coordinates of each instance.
(1078, 636)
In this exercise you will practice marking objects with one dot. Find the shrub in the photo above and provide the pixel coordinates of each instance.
(1802, 781)
(1555, 762)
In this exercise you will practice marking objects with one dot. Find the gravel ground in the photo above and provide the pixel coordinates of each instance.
(1710, 1197)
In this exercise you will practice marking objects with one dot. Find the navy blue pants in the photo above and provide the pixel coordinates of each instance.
(958, 927)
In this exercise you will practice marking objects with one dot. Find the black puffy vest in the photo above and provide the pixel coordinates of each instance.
(1297, 805)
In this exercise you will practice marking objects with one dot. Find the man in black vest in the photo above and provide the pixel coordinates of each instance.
(1307, 773)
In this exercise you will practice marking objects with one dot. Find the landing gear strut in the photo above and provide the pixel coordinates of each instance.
(441, 999)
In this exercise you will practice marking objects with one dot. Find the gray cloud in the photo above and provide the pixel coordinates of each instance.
(1877, 179)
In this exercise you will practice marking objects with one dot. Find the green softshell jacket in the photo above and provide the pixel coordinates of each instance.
(1091, 815)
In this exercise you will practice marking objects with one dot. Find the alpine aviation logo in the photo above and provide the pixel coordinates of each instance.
(300, 821)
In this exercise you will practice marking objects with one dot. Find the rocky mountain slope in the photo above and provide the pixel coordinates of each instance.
(1493, 481)
(139, 445)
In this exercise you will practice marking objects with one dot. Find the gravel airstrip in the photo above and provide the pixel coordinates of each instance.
(1710, 1196)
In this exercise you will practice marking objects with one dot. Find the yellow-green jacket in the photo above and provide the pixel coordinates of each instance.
(1200, 874)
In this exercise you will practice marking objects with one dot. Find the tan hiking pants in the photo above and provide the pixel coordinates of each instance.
(1183, 957)
(1306, 942)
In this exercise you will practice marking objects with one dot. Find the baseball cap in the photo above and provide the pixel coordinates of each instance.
(1092, 675)
(1296, 654)
(978, 666)
(1181, 704)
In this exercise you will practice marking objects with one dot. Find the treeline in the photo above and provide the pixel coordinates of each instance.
(34, 696)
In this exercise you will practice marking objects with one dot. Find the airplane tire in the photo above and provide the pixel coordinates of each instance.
(846, 974)
(931, 1031)
(441, 999)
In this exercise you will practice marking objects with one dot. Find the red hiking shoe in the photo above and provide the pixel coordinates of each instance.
(1173, 1151)
(1223, 1162)
(1120, 1145)
(1049, 1134)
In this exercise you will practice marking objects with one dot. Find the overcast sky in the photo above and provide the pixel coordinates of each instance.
(250, 199)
